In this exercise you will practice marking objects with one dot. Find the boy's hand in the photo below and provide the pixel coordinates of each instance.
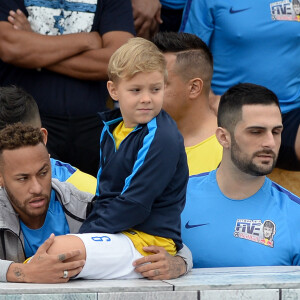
(161, 265)
(45, 268)
(19, 20)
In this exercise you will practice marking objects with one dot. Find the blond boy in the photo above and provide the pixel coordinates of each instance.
(143, 171)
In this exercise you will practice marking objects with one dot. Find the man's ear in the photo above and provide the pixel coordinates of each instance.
(112, 89)
(195, 87)
(45, 135)
(223, 136)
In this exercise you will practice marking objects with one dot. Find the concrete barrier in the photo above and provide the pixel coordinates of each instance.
(249, 283)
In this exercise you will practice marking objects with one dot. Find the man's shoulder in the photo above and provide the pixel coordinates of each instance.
(281, 192)
(8, 216)
(65, 172)
(198, 181)
(200, 177)
(67, 192)
(60, 170)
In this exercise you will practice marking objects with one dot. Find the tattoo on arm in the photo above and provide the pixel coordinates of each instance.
(61, 257)
(19, 274)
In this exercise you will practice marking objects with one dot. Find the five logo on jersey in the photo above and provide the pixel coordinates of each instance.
(255, 231)
(286, 10)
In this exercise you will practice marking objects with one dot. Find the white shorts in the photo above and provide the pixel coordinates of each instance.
(108, 256)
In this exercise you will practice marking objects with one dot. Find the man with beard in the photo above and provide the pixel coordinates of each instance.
(227, 209)
(31, 208)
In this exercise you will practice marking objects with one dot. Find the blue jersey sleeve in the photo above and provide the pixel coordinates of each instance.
(198, 19)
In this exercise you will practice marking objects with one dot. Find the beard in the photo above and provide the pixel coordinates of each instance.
(21, 206)
(247, 165)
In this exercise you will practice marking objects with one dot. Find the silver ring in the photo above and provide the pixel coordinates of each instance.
(66, 274)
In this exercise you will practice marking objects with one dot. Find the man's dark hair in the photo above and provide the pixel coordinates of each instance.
(19, 135)
(231, 103)
(16, 105)
(193, 57)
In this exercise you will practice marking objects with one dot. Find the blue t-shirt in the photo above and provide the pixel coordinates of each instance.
(61, 171)
(173, 4)
(251, 41)
(55, 222)
(262, 230)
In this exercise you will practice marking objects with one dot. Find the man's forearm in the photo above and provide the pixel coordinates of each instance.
(92, 65)
(186, 257)
(31, 50)
(178, 267)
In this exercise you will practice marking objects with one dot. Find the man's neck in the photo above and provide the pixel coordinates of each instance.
(198, 124)
(34, 223)
(236, 184)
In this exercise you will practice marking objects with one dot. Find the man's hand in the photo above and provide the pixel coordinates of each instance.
(45, 268)
(161, 265)
(19, 20)
(146, 15)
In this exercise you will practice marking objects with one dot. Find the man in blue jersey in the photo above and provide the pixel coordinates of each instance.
(235, 215)
(247, 39)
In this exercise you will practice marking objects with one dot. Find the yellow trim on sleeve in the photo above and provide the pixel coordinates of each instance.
(83, 181)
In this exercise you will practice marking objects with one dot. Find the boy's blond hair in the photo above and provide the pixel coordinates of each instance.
(137, 55)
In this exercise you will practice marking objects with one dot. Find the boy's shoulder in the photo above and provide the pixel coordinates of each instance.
(165, 121)
(165, 126)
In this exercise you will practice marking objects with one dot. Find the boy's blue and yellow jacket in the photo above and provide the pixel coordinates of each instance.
(142, 185)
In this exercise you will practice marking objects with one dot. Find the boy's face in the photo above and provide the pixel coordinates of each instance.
(140, 97)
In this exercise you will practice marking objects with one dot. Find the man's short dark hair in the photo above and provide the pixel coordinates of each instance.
(16, 105)
(193, 57)
(231, 103)
(19, 135)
